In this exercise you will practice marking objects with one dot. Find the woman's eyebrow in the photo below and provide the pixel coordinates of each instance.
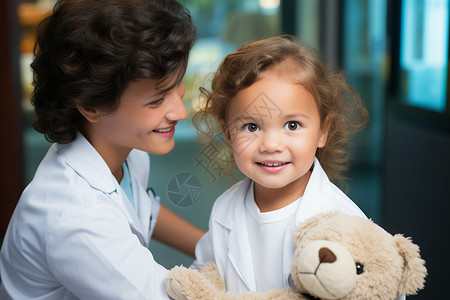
(157, 94)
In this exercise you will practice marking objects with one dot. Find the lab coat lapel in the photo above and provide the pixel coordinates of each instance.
(240, 255)
(239, 252)
(288, 254)
(313, 201)
(144, 213)
(319, 196)
(140, 216)
(133, 219)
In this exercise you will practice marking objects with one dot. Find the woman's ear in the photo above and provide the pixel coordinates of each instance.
(91, 114)
(324, 132)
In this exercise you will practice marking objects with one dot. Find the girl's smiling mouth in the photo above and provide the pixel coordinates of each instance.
(272, 166)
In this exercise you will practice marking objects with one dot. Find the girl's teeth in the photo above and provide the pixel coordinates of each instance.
(273, 164)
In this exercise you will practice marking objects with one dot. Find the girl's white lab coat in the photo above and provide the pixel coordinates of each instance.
(74, 234)
(227, 243)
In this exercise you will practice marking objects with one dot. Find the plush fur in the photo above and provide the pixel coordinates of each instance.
(337, 257)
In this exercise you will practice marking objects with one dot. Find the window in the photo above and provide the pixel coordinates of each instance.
(424, 54)
(222, 26)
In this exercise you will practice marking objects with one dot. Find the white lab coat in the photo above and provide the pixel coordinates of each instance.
(227, 243)
(74, 234)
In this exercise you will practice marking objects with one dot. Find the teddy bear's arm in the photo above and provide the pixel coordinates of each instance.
(211, 272)
(190, 284)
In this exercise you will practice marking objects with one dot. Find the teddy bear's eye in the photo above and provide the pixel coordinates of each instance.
(359, 268)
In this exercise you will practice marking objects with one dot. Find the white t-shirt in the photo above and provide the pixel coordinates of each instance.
(266, 234)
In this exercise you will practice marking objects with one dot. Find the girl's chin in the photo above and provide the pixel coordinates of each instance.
(270, 185)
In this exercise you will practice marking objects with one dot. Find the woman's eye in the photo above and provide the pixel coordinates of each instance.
(156, 102)
(251, 127)
(292, 126)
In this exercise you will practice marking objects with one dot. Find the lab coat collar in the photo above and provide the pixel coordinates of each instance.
(315, 198)
(236, 194)
(88, 163)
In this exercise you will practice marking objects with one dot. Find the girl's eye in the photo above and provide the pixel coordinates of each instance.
(292, 126)
(251, 127)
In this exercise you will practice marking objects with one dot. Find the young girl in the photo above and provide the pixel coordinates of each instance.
(287, 121)
(108, 88)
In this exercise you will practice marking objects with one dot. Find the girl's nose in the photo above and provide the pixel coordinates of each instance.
(271, 141)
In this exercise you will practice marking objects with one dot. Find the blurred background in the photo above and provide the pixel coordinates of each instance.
(394, 52)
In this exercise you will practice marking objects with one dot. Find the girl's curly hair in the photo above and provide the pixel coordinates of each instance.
(87, 51)
(338, 103)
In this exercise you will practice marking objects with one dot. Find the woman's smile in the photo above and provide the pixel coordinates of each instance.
(166, 132)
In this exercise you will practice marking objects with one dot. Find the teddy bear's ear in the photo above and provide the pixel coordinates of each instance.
(414, 271)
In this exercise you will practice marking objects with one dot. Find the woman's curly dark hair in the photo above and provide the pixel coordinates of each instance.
(87, 51)
(338, 103)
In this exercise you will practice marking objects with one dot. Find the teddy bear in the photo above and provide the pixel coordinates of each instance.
(337, 257)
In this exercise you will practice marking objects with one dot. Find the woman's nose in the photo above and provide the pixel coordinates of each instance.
(177, 110)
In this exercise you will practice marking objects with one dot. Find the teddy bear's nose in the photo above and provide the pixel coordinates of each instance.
(326, 255)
